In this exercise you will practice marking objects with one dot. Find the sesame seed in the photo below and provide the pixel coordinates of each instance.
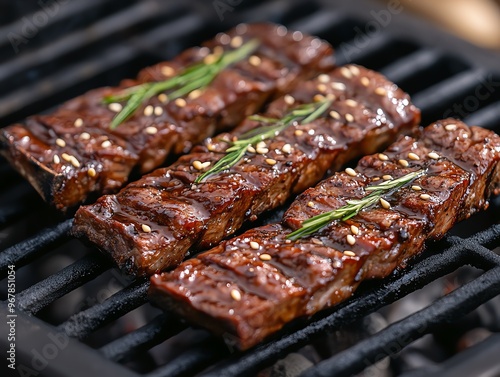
(75, 162)
(433, 155)
(254, 245)
(384, 203)
(354, 70)
(287, 148)
(197, 165)
(350, 239)
(316, 241)
(210, 59)
(413, 156)
(382, 157)
(351, 172)
(85, 136)
(236, 41)
(60, 142)
(334, 114)
(387, 177)
(56, 159)
(365, 81)
(270, 161)
(376, 179)
(146, 228)
(235, 295)
(380, 91)
(265, 257)
(354, 229)
(66, 157)
(148, 110)
(346, 72)
(324, 78)
(106, 144)
(162, 97)
(310, 204)
(261, 150)
(181, 102)
(91, 172)
(450, 127)
(318, 98)
(331, 96)
(298, 132)
(349, 253)
(194, 94)
(218, 50)
(261, 144)
(289, 99)
(338, 86)
(158, 111)
(351, 103)
(249, 148)
(349, 117)
(167, 71)
(151, 130)
(403, 163)
(254, 60)
(205, 164)
(322, 88)
(425, 196)
(78, 122)
(416, 188)
(115, 106)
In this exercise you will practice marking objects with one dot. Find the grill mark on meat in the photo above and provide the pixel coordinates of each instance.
(458, 183)
(224, 201)
(144, 141)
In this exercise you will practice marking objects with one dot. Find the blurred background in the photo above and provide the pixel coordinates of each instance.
(477, 21)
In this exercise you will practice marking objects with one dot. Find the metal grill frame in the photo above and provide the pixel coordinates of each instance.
(433, 48)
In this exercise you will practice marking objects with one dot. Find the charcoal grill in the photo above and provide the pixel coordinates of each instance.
(83, 45)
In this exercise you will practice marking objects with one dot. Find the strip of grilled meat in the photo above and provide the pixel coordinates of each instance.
(72, 155)
(151, 224)
(249, 287)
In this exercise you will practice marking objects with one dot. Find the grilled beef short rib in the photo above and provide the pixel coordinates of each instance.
(72, 153)
(250, 286)
(367, 114)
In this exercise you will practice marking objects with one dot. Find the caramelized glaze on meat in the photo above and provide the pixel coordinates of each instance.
(278, 280)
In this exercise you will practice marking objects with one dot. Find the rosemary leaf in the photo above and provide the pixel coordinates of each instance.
(305, 113)
(352, 208)
(197, 76)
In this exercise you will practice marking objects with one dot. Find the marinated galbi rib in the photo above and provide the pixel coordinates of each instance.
(250, 286)
(151, 224)
(81, 150)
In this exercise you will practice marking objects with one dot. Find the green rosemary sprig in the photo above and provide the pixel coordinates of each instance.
(352, 208)
(304, 114)
(197, 76)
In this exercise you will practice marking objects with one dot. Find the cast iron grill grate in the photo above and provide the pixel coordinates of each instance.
(445, 77)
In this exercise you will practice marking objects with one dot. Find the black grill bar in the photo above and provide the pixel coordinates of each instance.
(83, 323)
(26, 251)
(196, 359)
(41, 294)
(156, 331)
(454, 305)
(437, 98)
(455, 253)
